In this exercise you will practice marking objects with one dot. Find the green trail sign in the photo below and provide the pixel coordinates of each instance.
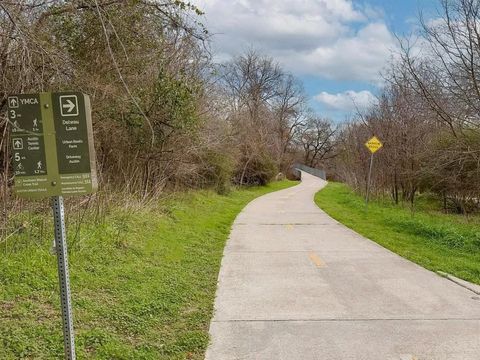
(53, 155)
(52, 142)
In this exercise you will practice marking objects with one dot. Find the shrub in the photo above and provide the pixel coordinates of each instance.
(217, 170)
(259, 170)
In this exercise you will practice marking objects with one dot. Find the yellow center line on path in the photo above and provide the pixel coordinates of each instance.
(316, 260)
(289, 227)
(408, 357)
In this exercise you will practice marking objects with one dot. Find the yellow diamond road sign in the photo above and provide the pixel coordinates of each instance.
(373, 144)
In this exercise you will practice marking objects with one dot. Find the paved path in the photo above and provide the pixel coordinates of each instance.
(295, 284)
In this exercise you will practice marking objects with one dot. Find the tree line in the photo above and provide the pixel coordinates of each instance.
(166, 116)
(427, 116)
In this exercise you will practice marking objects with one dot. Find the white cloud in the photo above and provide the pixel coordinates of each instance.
(332, 39)
(347, 101)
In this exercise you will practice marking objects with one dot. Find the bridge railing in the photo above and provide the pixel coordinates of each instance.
(312, 171)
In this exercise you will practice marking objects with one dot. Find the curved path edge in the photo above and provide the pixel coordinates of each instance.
(296, 284)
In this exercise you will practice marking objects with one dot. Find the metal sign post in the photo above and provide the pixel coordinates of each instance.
(373, 145)
(368, 181)
(63, 276)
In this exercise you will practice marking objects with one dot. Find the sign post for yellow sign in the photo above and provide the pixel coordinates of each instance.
(374, 144)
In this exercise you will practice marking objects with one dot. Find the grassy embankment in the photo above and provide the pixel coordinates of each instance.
(143, 283)
(432, 239)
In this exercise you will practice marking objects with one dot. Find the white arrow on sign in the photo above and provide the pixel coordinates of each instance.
(13, 102)
(17, 144)
(69, 106)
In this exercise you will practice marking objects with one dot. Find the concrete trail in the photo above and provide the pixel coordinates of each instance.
(296, 284)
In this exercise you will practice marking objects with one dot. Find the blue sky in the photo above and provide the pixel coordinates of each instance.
(400, 17)
(336, 47)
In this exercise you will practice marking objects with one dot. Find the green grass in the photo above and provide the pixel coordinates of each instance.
(143, 282)
(436, 241)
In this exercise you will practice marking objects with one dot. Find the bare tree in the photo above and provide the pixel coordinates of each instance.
(317, 140)
(266, 107)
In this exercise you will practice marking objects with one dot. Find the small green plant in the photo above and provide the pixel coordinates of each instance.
(217, 171)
